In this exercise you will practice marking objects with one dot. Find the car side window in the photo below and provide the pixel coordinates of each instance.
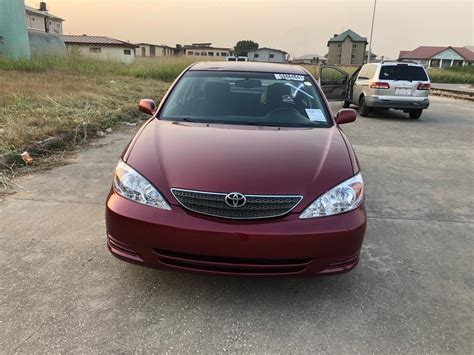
(371, 69)
(363, 74)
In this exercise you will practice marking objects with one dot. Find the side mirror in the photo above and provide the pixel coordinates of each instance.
(345, 115)
(147, 106)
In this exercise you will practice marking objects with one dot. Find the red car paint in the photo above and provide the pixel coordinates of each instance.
(251, 160)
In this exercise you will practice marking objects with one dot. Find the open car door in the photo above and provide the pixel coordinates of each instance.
(334, 82)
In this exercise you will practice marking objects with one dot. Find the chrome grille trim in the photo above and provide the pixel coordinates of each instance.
(205, 203)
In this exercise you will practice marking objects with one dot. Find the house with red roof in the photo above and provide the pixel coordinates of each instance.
(439, 57)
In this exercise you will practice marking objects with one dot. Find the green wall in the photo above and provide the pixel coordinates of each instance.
(14, 41)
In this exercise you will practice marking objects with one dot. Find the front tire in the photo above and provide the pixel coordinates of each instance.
(363, 109)
(415, 114)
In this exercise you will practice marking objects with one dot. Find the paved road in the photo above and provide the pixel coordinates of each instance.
(61, 291)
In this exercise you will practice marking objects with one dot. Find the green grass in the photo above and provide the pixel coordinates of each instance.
(166, 69)
(455, 75)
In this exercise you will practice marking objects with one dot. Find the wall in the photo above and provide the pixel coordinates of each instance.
(358, 54)
(344, 53)
(160, 51)
(45, 43)
(107, 53)
(36, 22)
(199, 51)
(13, 34)
(264, 56)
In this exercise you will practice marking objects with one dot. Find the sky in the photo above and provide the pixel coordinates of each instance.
(296, 26)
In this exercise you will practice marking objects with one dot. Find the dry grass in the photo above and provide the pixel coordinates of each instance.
(35, 106)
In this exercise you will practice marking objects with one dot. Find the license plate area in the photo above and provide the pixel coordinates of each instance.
(403, 91)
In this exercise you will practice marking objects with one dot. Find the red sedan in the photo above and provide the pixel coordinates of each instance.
(241, 170)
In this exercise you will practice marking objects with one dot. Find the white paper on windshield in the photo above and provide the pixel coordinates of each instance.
(315, 114)
(289, 77)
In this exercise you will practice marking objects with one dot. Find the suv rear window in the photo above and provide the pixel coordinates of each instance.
(402, 72)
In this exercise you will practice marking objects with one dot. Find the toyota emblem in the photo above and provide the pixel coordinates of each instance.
(235, 199)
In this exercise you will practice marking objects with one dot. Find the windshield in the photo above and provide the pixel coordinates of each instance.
(246, 98)
(402, 72)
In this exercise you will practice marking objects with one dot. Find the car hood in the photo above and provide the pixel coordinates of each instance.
(246, 159)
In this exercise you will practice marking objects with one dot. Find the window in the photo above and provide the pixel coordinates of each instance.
(339, 45)
(272, 56)
(197, 54)
(353, 56)
(223, 54)
(127, 52)
(95, 50)
(210, 54)
(143, 51)
(354, 45)
(434, 63)
(255, 55)
(190, 53)
(217, 54)
(402, 72)
(152, 51)
(203, 54)
(243, 98)
(339, 56)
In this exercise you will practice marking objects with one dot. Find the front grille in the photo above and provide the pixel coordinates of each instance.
(256, 206)
(223, 265)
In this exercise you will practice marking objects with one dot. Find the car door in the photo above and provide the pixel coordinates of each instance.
(334, 82)
(360, 83)
(351, 94)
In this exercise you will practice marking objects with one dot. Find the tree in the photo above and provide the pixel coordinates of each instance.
(243, 47)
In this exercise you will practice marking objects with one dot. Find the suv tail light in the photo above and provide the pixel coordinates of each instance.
(422, 86)
(379, 85)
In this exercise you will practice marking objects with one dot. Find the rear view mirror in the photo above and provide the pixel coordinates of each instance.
(345, 115)
(147, 106)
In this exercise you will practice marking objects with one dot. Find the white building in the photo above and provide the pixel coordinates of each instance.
(314, 58)
(103, 48)
(206, 50)
(43, 21)
(439, 57)
(268, 55)
(154, 50)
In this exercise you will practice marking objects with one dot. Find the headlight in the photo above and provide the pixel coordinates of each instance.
(344, 197)
(130, 184)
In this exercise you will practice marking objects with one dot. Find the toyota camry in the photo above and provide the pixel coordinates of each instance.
(241, 170)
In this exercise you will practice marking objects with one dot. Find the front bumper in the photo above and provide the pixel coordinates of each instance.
(182, 240)
(396, 102)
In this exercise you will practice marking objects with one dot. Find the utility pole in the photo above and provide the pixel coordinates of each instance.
(369, 52)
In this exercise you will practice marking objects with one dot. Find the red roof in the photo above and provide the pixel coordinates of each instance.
(97, 40)
(428, 52)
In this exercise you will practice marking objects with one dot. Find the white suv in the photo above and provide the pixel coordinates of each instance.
(398, 85)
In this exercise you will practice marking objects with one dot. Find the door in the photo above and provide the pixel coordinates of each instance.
(353, 90)
(334, 82)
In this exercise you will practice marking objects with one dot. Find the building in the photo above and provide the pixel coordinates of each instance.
(99, 47)
(347, 48)
(268, 55)
(439, 57)
(43, 21)
(314, 58)
(206, 50)
(44, 31)
(373, 56)
(154, 50)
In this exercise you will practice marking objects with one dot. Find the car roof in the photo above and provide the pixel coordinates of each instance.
(249, 67)
(397, 62)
